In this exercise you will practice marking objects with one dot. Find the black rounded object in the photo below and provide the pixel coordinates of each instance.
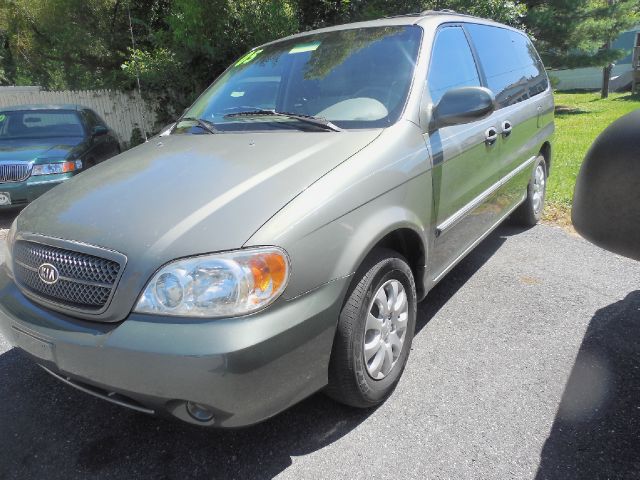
(606, 202)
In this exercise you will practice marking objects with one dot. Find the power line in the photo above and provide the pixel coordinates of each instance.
(133, 44)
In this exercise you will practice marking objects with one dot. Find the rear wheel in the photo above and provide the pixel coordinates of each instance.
(374, 333)
(529, 213)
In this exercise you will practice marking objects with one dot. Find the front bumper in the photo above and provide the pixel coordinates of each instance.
(25, 192)
(243, 369)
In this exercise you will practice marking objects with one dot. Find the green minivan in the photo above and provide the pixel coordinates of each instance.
(41, 146)
(275, 240)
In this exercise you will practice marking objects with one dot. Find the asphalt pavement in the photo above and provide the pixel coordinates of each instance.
(526, 364)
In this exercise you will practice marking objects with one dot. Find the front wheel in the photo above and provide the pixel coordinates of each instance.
(374, 332)
(529, 213)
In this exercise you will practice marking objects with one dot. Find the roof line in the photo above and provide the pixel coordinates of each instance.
(426, 13)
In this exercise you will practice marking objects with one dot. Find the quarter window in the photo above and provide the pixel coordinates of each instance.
(452, 63)
(511, 64)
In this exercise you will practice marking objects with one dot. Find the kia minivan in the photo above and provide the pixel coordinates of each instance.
(276, 239)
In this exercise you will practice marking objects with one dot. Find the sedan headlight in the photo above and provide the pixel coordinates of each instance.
(224, 284)
(54, 168)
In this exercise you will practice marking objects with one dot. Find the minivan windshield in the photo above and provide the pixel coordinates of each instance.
(42, 123)
(355, 78)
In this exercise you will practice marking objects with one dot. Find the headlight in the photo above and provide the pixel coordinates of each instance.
(225, 284)
(53, 168)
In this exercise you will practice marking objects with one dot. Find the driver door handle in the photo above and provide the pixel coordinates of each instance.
(506, 128)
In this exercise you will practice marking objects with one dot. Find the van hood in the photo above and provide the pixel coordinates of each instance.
(182, 195)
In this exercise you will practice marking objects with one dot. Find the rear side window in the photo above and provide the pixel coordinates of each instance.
(92, 119)
(452, 63)
(95, 118)
(511, 64)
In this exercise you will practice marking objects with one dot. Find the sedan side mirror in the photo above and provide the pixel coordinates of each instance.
(606, 202)
(463, 105)
(99, 130)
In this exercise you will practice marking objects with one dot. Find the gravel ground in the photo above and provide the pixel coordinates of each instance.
(526, 364)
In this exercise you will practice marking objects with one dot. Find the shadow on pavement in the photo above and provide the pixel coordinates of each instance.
(596, 432)
(48, 430)
(8, 215)
(457, 277)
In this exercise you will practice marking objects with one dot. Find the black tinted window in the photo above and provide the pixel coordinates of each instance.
(92, 118)
(513, 69)
(97, 119)
(452, 63)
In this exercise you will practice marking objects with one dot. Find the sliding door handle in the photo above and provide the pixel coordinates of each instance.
(490, 135)
(506, 128)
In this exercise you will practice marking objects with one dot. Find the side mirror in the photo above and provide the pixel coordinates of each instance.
(606, 202)
(99, 130)
(463, 105)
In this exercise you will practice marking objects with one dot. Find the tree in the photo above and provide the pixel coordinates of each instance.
(510, 12)
(579, 33)
(610, 18)
(198, 41)
(70, 43)
(320, 13)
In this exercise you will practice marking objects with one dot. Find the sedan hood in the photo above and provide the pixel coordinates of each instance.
(182, 195)
(26, 149)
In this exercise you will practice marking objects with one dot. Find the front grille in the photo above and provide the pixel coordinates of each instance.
(14, 172)
(84, 281)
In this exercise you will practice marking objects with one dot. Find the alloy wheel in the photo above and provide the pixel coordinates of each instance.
(385, 329)
(539, 183)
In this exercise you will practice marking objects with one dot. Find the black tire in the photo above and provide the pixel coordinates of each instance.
(349, 379)
(526, 214)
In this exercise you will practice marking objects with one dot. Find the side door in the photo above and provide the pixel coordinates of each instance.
(466, 158)
(518, 80)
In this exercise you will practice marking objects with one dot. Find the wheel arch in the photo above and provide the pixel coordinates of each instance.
(408, 243)
(403, 236)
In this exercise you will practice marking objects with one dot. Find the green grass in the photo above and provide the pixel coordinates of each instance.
(580, 117)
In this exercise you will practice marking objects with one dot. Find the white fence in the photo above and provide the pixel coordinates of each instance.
(122, 111)
(590, 78)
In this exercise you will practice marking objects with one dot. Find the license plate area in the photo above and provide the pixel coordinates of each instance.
(33, 345)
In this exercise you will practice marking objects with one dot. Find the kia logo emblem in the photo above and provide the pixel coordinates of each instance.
(48, 273)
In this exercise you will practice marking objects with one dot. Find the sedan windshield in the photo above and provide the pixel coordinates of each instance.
(356, 78)
(40, 124)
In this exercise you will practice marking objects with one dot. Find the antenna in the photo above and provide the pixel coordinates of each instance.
(133, 44)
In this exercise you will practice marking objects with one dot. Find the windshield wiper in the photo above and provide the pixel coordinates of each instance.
(204, 124)
(309, 119)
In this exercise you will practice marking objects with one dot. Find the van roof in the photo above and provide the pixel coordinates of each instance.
(427, 19)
